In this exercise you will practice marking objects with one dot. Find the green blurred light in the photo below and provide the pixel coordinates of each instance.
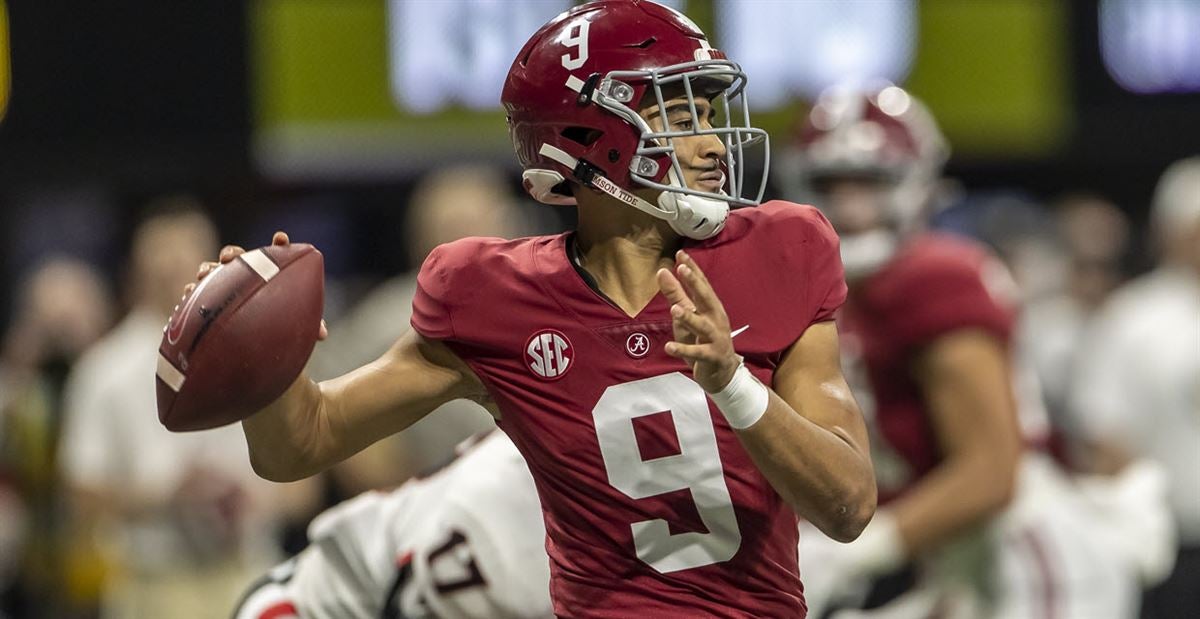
(995, 74)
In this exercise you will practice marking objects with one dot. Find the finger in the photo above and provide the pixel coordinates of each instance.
(695, 323)
(280, 238)
(693, 353)
(695, 282)
(673, 290)
(229, 252)
(187, 290)
(700, 305)
(323, 331)
(205, 268)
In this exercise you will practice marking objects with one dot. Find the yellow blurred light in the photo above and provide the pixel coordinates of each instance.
(5, 74)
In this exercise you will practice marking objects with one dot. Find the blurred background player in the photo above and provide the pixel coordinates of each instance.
(466, 542)
(1137, 390)
(186, 519)
(63, 306)
(1091, 237)
(1065, 259)
(449, 204)
(930, 319)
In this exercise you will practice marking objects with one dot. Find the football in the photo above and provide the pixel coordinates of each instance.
(240, 338)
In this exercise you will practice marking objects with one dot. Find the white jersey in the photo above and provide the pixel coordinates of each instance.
(1073, 548)
(467, 541)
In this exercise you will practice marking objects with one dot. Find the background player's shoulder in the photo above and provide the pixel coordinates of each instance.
(949, 251)
(938, 283)
(941, 260)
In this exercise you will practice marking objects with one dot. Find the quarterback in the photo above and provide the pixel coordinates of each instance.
(671, 460)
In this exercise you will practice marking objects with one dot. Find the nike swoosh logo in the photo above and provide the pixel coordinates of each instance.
(738, 331)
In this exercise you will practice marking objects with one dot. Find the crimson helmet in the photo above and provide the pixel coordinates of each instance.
(571, 99)
(877, 132)
(880, 132)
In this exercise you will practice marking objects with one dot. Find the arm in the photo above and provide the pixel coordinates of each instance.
(965, 378)
(312, 426)
(811, 442)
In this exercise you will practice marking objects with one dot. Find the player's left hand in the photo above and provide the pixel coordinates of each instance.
(701, 327)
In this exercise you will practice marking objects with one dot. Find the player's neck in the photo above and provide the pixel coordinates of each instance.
(622, 249)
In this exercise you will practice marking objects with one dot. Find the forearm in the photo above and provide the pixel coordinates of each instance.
(818, 471)
(958, 495)
(285, 438)
(311, 427)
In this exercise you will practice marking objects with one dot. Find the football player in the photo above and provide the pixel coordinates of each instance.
(671, 464)
(965, 490)
(466, 541)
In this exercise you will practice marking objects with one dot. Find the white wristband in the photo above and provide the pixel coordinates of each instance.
(743, 401)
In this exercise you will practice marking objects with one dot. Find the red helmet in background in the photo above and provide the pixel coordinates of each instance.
(879, 134)
(572, 98)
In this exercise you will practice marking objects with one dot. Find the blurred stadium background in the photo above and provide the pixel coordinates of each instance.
(332, 108)
(320, 117)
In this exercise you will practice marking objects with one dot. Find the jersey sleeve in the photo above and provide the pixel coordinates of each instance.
(433, 304)
(798, 278)
(826, 274)
(952, 293)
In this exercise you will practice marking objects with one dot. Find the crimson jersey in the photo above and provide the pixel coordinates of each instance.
(651, 504)
(936, 284)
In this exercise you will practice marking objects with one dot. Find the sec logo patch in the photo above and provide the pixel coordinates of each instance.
(548, 354)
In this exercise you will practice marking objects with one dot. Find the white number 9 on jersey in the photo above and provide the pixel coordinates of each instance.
(697, 467)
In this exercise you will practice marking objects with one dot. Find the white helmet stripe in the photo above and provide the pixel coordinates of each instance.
(559, 155)
(574, 83)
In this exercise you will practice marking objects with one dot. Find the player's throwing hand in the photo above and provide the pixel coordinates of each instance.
(228, 253)
(701, 327)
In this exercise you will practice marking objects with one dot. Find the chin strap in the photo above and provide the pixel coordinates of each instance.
(587, 174)
(673, 208)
